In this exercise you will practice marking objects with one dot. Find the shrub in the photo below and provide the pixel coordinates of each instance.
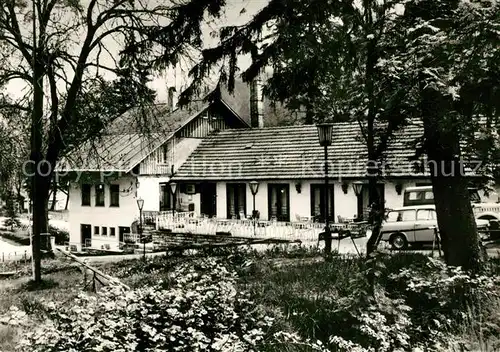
(198, 308)
(12, 220)
(61, 236)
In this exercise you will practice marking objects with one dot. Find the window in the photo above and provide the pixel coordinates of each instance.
(104, 231)
(162, 154)
(236, 200)
(407, 215)
(318, 201)
(86, 194)
(279, 201)
(99, 195)
(429, 195)
(96, 230)
(414, 195)
(122, 231)
(426, 214)
(112, 232)
(165, 197)
(114, 195)
(402, 215)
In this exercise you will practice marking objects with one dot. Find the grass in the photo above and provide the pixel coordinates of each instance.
(310, 296)
(17, 237)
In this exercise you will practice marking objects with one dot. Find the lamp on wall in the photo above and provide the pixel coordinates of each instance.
(357, 187)
(345, 187)
(399, 188)
(298, 186)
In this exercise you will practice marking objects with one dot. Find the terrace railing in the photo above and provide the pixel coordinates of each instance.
(305, 231)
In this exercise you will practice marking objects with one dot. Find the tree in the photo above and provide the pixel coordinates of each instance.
(378, 62)
(73, 48)
(323, 56)
(451, 49)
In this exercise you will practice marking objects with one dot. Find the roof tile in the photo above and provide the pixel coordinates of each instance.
(293, 152)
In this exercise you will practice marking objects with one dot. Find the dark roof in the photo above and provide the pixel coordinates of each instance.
(293, 152)
(131, 138)
(239, 101)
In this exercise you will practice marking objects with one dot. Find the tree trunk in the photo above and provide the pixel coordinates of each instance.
(67, 201)
(54, 195)
(375, 216)
(39, 191)
(457, 226)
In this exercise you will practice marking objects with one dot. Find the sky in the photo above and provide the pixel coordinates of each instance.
(171, 77)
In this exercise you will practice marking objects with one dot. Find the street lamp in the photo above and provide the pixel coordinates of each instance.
(357, 187)
(325, 139)
(140, 205)
(173, 189)
(254, 188)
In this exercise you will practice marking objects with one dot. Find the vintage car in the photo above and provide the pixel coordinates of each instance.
(423, 195)
(414, 225)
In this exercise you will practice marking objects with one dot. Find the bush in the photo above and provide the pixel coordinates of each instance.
(61, 236)
(198, 308)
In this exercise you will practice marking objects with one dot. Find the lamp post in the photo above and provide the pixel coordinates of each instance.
(357, 188)
(140, 205)
(254, 188)
(173, 189)
(325, 139)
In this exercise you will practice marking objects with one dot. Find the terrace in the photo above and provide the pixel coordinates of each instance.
(165, 223)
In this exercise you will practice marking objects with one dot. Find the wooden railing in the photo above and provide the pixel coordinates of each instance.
(305, 231)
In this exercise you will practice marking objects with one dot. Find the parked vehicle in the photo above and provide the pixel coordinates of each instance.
(414, 225)
(423, 195)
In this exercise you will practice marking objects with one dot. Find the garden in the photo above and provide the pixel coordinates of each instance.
(284, 299)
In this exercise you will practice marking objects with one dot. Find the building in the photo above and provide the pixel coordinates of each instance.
(110, 174)
(287, 162)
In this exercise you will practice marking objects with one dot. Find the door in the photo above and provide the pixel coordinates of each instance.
(86, 234)
(400, 221)
(236, 200)
(318, 202)
(208, 199)
(165, 197)
(363, 201)
(122, 230)
(424, 225)
(279, 202)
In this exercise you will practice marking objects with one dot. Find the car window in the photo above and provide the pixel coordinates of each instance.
(407, 215)
(426, 214)
(392, 216)
(413, 195)
(401, 215)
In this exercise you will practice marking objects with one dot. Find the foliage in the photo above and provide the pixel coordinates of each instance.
(199, 308)
(12, 220)
(61, 236)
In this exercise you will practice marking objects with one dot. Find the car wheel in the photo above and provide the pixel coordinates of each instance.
(398, 241)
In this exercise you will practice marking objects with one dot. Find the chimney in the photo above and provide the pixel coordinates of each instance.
(171, 95)
(256, 103)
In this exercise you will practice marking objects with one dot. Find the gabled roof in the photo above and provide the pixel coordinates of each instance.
(293, 152)
(131, 138)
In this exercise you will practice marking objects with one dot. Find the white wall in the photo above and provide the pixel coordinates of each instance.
(149, 190)
(106, 216)
(345, 205)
